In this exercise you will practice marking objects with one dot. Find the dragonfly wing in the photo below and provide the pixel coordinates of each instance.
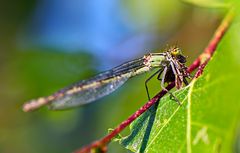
(88, 93)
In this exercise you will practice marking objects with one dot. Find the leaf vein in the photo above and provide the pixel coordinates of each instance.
(165, 123)
(189, 147)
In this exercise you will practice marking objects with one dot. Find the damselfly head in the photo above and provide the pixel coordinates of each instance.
(175, 51)
(177, 54)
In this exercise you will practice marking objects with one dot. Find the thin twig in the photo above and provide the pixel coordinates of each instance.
(204, 58)
(199, 63)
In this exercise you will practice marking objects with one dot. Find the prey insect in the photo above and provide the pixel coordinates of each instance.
(170, 66)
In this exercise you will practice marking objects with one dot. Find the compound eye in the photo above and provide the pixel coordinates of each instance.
(175, 51)
(181, 58)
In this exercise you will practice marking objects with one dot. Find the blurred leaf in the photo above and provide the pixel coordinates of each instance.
(208, 118)
(209, 3)
(153, 15)
(38, 72)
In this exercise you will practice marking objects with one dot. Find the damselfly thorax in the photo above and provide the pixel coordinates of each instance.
(170, 66)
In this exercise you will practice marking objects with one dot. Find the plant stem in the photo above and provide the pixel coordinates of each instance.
(199, 63)
(204, 58)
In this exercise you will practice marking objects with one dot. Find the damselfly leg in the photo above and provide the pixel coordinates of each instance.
(159, 72)
(163, 87)
(167, 75)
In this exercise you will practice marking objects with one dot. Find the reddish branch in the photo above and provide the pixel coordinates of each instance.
(199, 63)
(203, 59)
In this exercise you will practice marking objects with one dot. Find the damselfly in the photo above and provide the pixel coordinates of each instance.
(170, 65)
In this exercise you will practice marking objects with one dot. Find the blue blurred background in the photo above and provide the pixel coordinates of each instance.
(46, 45)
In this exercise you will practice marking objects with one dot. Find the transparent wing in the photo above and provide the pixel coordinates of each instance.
(88, 93)
(101, 85)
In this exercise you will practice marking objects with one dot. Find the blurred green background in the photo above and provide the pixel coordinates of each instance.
(47, 45)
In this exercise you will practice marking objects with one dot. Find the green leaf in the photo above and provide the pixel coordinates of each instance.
(209, 3)
(207, 120)
(117, 137)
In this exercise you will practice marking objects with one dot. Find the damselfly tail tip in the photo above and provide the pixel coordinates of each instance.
(34, 104)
